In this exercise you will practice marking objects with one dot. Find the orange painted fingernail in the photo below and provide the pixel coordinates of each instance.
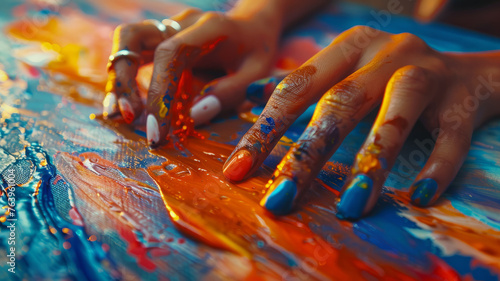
(239, 165)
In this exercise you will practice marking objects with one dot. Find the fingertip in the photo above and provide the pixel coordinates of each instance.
(152, 131)
(355, 198)
(423, 192)
(109, 105)
(126, 110)
(238, 166)
(280, 198)
(205, 110)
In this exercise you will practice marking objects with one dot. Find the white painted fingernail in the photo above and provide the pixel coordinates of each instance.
(126, 109)
(152, 130)
(206, 109)
(109, 104)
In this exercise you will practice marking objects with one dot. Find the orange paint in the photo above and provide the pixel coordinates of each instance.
(238, 167)
(456, 231)
(366, 163)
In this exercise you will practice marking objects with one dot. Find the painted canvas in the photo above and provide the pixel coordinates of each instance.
(84, 199)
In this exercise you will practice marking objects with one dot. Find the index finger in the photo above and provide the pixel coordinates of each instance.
(171, 59)
(289, 100)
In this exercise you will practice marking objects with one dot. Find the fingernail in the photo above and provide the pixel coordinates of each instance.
(109, 104)
(126, 109)
(424, 191)
(280, 197)
(152, 130)
(206, 109)
(239, 165)
(354, 199)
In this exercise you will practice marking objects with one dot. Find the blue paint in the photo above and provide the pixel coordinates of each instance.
(141, 133)
(425, 189)
(355, 197)
(266, 129)
(281, 199)
(260, 91)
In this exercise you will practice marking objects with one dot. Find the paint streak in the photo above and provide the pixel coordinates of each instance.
(398, 122)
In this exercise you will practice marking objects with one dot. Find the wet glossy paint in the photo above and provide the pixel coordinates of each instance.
(99, 205)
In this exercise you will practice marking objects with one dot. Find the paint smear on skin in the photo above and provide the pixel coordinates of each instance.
(398, 122)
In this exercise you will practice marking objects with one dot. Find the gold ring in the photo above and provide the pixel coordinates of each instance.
(123, 54)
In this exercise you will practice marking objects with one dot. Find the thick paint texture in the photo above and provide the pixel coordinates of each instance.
(93, 203)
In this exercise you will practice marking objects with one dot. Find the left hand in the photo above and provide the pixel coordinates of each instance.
(360, 69)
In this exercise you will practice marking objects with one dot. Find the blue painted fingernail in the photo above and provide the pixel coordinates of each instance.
(354, 199)
(424, 191)
(279, 200)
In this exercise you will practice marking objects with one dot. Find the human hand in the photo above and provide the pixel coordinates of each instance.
(143, 38)
(410, 79)
(242, 46)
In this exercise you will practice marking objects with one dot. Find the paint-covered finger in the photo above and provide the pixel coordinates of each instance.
(172, 57)
(448, 155)
(407, 94)
(336, 114)
(228, 92)
(291, 98)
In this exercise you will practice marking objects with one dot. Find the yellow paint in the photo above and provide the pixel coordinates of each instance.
(366, 163)
(3, 76)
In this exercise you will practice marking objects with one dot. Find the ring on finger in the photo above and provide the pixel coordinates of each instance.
(163, 25)
(123, 54)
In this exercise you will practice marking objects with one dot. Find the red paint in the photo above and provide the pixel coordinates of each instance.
(137, 249)
(76, 217)
(399, 123)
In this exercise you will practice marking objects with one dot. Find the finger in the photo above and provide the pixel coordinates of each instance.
(291, 98)
(172, 57)
(336, 114)
(448, 155)
(228, 92)
(407, 94)
(122, 92)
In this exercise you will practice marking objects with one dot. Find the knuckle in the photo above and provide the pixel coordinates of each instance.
(166, 48)
(346, 98)
(359, 29)
(410, 80)
(459, 137)
(410, 42)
